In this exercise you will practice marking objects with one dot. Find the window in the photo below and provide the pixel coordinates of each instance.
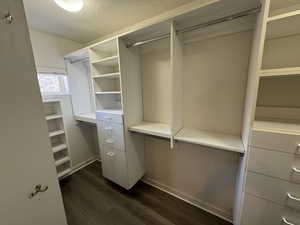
(53, 84)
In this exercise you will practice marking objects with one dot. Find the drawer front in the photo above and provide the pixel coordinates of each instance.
(275, 164)
(276, 190)
(276, 141)
(114, 166)
(257, 211)
(111, 134)
(110, 117)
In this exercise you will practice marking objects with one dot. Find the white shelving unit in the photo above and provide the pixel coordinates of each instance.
(58, 138)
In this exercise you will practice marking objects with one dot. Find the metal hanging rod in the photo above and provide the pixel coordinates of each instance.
(80, 60)
(200, 26)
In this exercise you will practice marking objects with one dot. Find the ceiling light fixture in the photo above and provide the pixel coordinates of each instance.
(70, 5)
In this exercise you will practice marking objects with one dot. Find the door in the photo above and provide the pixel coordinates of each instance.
(25, 154)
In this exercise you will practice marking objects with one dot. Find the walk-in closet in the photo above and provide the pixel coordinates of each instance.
(155, 112)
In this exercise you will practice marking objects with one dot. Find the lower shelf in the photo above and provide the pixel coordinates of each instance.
(211, 139)
(56, 133)
(86, 117)
(151, 128)
(279, 126)
(64, 173)
(59, 148)
(62, 161)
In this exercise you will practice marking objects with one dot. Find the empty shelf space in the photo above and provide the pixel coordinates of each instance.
(107, 92)
(59, 148)
(86, 117)
(283, 27)
(64, 173)
(109, 61)
(53, 117)
(279, 126)
(107, 76)
(56, 133)
(62, 161)
(280, 72)
(211, 139)
(152, 128)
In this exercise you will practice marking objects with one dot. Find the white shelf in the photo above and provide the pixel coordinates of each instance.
(109, 61)
(155, 129)
(86, 117)
(211, 139)
(54, 117)
(107, 76)
(51, 100)
(64, 173)
(62, 161)
(280, 72)
(282, 25)
(111, 111)
(284, 15)
(56, 133)
(107, 92)
(59, 148)
(278, 127)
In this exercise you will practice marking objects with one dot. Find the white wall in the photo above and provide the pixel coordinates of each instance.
(49, 51)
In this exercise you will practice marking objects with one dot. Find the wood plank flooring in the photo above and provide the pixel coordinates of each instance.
(90, 199)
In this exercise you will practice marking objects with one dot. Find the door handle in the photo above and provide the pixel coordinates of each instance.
(293, 197)
(285, 221)
(38, 189)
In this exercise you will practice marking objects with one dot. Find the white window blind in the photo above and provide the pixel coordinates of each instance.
(53, 84)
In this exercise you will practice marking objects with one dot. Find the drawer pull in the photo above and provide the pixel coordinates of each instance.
(293, 197)
(285, 220)
(111, 154)
(297, 150)
(295, 170)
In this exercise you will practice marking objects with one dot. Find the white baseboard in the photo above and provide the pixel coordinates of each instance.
(83, 164)
(189, 199)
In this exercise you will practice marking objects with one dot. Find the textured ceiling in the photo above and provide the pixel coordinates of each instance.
(97, 18)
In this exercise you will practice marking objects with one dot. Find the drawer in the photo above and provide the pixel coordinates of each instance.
(110, 117)
(276, 141)
(111, 134)
(275, 164)
(276, 190)
(114, 166)
(257, 211)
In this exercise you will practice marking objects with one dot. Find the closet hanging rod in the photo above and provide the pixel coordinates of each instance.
(79, 60)
(200, 26)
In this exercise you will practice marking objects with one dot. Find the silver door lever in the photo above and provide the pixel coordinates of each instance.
(38, 189)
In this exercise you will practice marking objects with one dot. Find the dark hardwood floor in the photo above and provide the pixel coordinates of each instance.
(92, 200)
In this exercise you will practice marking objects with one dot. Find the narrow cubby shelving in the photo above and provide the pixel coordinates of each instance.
(59, 148)
(57, 135)
(107, 76)
(109, 61)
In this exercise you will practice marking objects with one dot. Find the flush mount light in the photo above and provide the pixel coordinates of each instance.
(70, 5)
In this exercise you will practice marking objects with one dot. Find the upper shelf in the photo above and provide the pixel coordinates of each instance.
(108, 61)
(283, 25)
(280, 72)
(211, 139)
(107, 76)
(89, 117)
(152, 128)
